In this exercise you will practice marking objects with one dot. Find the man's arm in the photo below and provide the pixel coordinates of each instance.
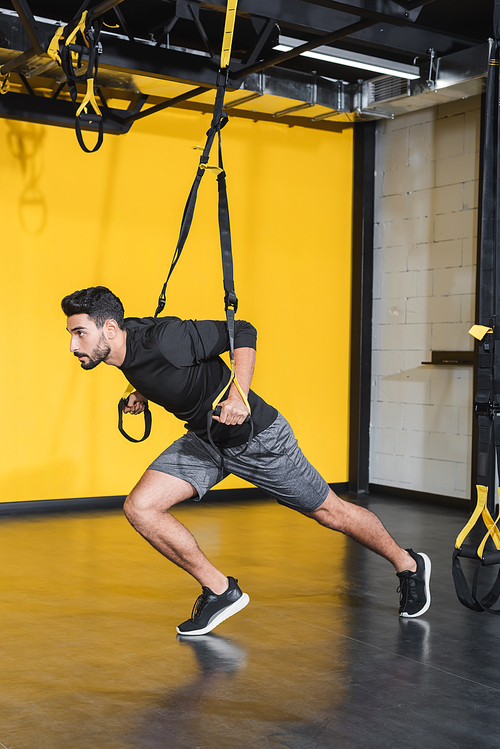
(233, 410)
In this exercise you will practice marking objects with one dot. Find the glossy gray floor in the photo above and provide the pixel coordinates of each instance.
(319, 659)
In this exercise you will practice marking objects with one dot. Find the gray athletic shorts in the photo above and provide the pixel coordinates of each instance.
(273, 462)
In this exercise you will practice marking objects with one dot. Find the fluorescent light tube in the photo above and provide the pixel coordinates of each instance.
(351, 59)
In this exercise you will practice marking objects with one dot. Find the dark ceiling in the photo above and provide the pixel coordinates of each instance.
(178, 42)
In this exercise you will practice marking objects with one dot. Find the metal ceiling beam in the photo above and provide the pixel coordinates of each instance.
(103, 8)
(318, 42)
(412, 40)
(262, 39)
(164, 105)
(158, 62)
(134, 58)
(288, 121)
(38, 46)
(24, 12)
(386, 11)
(314, 18)
(123, 23)
(18, 61)
(321, 14)
(41, 109)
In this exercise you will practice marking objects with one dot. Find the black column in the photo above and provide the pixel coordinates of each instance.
(361, 307)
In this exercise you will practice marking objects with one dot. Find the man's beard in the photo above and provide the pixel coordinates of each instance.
(99, 354)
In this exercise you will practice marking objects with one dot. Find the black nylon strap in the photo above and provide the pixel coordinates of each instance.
(461, 586)
(100, 131)
(219, 120)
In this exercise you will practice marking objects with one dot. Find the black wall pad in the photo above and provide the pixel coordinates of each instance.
(423, 497)
(37, 507)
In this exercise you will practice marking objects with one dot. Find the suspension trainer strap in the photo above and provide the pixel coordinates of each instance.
(230, 302)
(69, 47)
(219, 120)
(486, 552)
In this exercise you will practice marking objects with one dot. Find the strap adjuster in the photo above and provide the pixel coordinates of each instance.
(231, 300)
(489, 409)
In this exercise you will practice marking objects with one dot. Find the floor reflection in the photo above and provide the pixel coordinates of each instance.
(319, 659)
(176, 719)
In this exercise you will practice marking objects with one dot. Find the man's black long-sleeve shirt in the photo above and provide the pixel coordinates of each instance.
(176, 364)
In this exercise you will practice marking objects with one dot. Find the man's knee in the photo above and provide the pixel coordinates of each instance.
(134, 506)
(331, 513)
(140, 504)
(155, 494)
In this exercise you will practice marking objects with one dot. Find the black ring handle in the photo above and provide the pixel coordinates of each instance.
(100, 131)
(147, 421)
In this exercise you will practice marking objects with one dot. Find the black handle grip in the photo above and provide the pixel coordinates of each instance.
(218, 409)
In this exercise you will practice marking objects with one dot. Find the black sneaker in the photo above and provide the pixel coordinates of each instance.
(414, 588)
(210, 610)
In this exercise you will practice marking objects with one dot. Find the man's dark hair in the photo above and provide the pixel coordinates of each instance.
(98, 302)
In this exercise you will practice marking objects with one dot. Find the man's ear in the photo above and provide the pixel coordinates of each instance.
(111, 328)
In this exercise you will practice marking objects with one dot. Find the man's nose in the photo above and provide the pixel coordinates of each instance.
(73, 345)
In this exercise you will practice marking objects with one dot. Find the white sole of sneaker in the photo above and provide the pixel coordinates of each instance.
(428, 567)
(225, 614)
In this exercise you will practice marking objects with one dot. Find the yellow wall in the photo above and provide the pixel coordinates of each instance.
(71, 220)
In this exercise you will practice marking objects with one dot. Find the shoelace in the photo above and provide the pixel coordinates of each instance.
(200, 604)
(408, 589)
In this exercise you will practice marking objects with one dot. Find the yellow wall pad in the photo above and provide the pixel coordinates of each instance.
(292, 252)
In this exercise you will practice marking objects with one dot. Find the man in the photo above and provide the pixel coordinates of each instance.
(176, 364)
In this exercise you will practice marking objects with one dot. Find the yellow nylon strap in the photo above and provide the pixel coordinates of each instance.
(492, 531)
(128, 391)
(5, 86)
(214, 169)
(53, 48)
(481, 510)
(232, 379)
(80, 27)
(227, 40)
(89, 98)
(208, 167)
(482, 495)
(479, 331)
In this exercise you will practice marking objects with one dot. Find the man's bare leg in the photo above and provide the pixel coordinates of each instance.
(363, 526)
(147, 509)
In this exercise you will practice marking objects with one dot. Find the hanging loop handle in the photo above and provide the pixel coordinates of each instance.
(147, 422)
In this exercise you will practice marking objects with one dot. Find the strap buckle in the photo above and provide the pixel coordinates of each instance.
(489, 409)
(223, 77)
(231, 301)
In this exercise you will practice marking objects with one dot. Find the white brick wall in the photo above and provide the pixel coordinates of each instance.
(426, 196)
